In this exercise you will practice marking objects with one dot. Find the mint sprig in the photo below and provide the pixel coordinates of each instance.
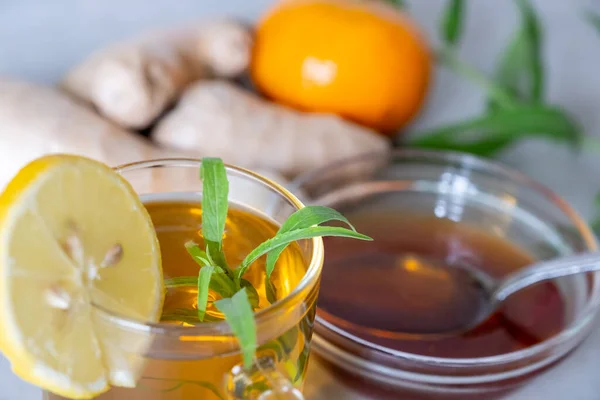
(303, 218)
(197, 254)
(451, 25)
(515, 89)
(240, 317)
(284, 239)
(486, 135)
(203, 283)
(239, 298)
(520, 69)
(215, 192)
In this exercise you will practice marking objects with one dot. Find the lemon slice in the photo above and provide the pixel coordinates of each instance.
(74, 236)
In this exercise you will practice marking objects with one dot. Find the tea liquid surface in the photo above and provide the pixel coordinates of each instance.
(192, 378)
(177, 222)
(403, 281)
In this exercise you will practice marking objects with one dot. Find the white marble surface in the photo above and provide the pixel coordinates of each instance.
(39, 39)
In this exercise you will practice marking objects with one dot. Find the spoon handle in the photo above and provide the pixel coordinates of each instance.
(547, 270)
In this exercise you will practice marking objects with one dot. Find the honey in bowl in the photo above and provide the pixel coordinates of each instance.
(387, 291)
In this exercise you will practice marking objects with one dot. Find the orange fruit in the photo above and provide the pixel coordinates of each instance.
(362, 59)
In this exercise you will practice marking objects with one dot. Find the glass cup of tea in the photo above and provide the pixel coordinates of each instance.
(430, 212)
(182, 361)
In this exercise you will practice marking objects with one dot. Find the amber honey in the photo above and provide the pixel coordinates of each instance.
(402, 283)
(194, 378)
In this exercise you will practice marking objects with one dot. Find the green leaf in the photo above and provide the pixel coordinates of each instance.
(398, 3)
(251, 292)
(303, 218)
(452, 22)
(489, 134)
(215, 192)
(312, 215)
(240, 317)
(306, 328)
(203, 283)
(271, 291)
(595, 223)
(594, 19)
(292, 236)
(181, 281)
(197, 254)
(220, 283)
(216, 256)
(521, 69)
(215, 189)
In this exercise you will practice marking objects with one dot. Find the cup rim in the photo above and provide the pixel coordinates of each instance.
(472, 162)
(264, 315)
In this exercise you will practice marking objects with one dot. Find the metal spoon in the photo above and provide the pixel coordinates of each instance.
(495, 291)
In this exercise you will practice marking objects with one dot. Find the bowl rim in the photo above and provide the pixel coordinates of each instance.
(474, 163)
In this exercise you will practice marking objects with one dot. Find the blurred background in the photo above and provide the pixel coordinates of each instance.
(40, 40)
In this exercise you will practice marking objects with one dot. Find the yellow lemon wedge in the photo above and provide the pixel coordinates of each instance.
(75, 240)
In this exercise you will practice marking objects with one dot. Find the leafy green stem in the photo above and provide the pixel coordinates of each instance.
(181, 281)
(452, 22)
(239, 298)
(274, 243)
(448, 57)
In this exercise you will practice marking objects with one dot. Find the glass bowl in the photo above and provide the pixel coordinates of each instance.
(473, 191)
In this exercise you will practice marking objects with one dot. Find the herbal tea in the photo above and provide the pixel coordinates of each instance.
(177, 222)
(403, 282)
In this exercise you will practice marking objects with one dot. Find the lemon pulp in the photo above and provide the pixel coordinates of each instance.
(73, 233)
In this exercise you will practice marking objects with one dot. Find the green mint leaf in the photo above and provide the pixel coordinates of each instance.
(271, 291)
(312, 215)
(251, 292)
(216, 256)
(452, 22)
(215, 191)
(398, 3)
(181, 281)
(240, 317)
(593, 19)
(595, 223)
(220, 283)
(521, 68)
(197, 254)
(491, 133)
(272, 258)
(203, 283)
(302, 218)
(292, 236)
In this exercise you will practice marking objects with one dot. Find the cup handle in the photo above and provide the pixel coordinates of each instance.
(264, 381)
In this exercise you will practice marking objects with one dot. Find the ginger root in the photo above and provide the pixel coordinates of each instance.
(132, 83)
(37, 120)
(216, 118)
